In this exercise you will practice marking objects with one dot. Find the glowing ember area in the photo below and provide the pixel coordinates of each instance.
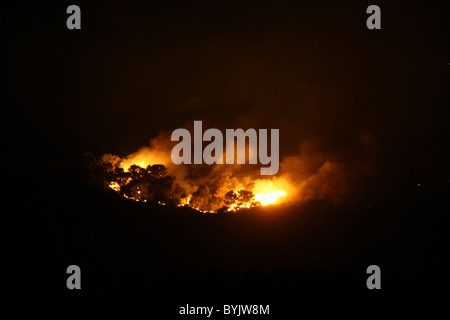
(219, 189)
(154, 184)
(149, 175)
(269, 198)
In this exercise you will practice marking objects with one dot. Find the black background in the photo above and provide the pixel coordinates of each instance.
(312, 69)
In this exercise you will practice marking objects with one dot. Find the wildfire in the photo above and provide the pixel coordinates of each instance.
(269, 198)
(155, 183)
(149, 175)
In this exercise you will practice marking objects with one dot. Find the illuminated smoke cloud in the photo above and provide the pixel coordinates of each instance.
(149, 175)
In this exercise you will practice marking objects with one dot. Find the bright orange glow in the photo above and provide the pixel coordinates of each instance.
(149, 175)
(269, 198)
(232, 196)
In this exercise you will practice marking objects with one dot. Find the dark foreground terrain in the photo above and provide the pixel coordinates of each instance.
(134, 250)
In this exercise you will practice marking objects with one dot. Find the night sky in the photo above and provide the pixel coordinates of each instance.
(377, 100)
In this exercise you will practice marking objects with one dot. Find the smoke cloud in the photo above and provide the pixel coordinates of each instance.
(150, 175)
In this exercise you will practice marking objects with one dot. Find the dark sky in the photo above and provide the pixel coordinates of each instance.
(309, 68)
(312, 69)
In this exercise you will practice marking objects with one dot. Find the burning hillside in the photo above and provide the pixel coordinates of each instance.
(154, 183)
(149, 175)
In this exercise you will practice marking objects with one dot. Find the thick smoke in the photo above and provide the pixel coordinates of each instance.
(315, 174)
(150, 175)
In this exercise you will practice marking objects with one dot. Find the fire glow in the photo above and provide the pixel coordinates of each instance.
(221, 188)
(134, 181)
(149, 175)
